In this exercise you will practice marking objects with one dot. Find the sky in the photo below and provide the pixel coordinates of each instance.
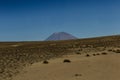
(35, 20)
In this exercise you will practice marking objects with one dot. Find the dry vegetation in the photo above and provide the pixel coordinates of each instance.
(66, 61)
(14, 56)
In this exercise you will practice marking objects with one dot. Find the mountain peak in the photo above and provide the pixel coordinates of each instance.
(59, 33)
(60, 36)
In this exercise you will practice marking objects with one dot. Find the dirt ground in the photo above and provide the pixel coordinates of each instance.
(99, 67)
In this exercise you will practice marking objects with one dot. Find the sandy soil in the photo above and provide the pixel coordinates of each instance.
(101, 67)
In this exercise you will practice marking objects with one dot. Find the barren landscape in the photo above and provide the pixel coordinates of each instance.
(80, 59)
(102, 67)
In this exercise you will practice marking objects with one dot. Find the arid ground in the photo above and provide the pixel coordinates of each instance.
(102, 67)
(82, 59)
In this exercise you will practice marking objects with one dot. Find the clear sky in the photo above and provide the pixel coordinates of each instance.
(25, 20)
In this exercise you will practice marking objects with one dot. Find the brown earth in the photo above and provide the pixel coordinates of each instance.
(16, 57)
(102, 67)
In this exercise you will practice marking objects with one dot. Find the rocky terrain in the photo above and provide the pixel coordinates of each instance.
(16, 57)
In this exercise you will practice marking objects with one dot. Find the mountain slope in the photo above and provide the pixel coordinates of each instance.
(60, 36)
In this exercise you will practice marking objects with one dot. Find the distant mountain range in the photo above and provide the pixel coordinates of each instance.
(60, 36)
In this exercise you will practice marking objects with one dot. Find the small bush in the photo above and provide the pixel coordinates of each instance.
(104, 53)
(45, 62)
(117, 51)
(66, 61)
(87, 55)
(80, 50)
(94, 54)
(114, 51)
(97, 54)
(110, 50)
(78, 53)
(78, 75)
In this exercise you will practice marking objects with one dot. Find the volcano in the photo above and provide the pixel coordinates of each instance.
(60, 36)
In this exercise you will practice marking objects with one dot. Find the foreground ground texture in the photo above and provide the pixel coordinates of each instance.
(102, 67)
(93, 58)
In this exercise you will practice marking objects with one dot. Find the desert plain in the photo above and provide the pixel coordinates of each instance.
(82, 59)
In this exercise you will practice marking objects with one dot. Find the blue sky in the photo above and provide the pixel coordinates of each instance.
(27, 20)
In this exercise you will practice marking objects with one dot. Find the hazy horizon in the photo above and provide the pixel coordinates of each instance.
(33, 20)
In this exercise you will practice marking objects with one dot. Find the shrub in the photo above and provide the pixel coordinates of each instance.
(78, 75)
(97, 54)
(66, 61)
(45, 62)
(104, 53)
(117, 51)
(78, 53)
(80, 50)
(94, 54)
(110, 50)
(87, 55)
